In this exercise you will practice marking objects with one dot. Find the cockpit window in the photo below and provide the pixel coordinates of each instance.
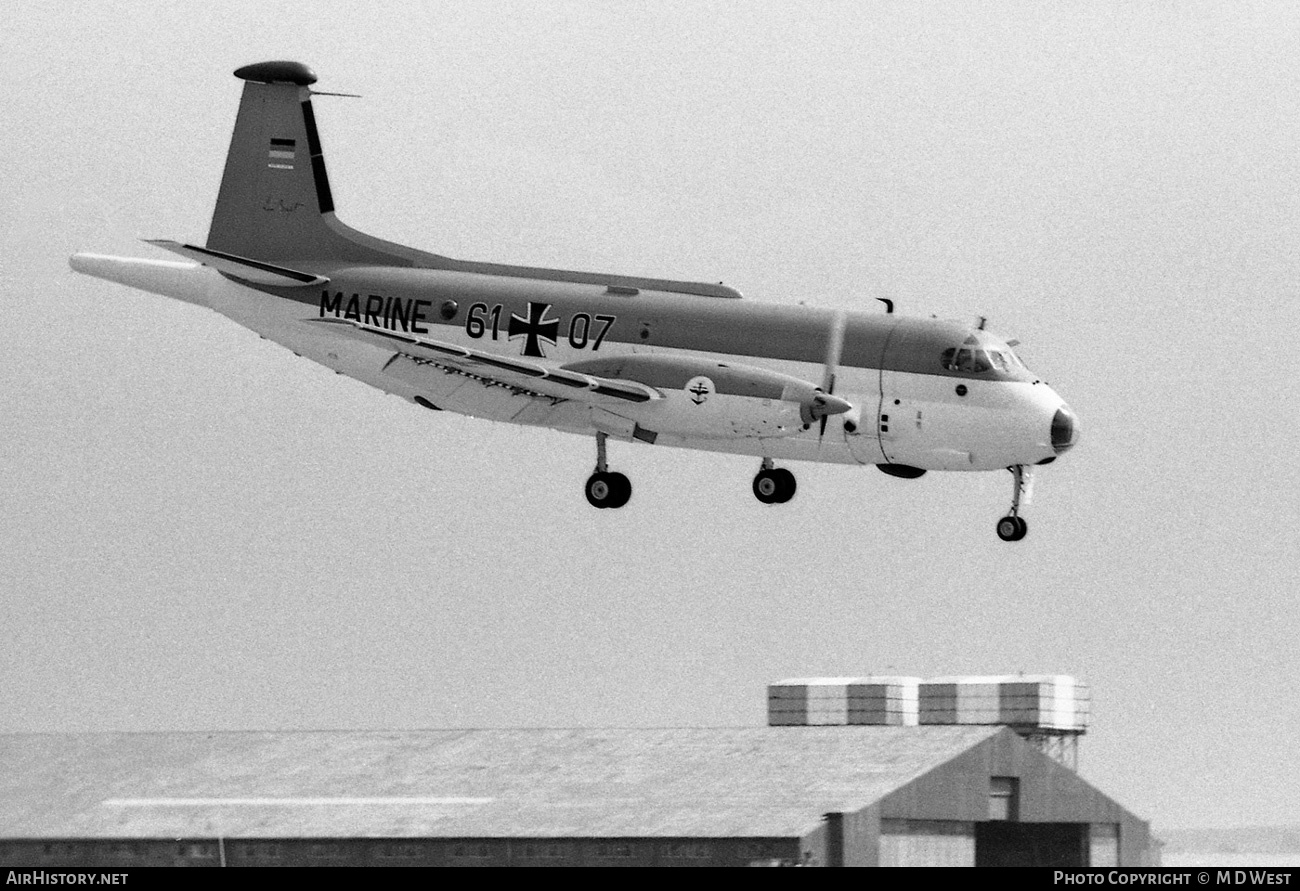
(980, 355)
(970, 358)
(983, 354)
(971, 361)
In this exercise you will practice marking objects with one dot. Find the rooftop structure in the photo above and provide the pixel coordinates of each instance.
(1050, 711)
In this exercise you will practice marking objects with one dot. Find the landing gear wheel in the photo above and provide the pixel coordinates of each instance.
(774, 485)
(1012, 528)
(608, 490)
(622, 487)
(787, 485)
(604, 488)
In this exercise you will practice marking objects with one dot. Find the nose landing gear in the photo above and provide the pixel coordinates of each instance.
(605, 489)
(1013, 527)
(774, 485)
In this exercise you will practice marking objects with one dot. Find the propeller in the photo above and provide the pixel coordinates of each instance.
(834, 346)
(822, 406)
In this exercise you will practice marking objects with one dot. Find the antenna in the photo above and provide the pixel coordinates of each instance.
(889, 305)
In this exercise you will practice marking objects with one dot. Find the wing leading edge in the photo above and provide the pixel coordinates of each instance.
(526, 378)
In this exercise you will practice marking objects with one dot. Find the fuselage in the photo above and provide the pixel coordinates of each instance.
(932, 394)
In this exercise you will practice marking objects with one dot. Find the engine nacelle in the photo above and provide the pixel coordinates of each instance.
(718, 416)
(716, 400)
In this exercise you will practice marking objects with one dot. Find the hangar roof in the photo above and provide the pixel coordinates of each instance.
(763, 782)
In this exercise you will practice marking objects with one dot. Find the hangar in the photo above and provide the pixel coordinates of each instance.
(786, 795)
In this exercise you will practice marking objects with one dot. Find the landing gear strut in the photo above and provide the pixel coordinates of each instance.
(605, 489)
(774, 485)
(1013, 527)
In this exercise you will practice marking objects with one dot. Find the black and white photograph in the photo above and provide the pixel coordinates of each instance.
(673, 433)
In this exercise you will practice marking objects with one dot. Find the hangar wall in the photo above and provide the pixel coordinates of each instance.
(938, 817)
(389, 852)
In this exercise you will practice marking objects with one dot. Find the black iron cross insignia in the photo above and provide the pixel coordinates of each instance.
(533, 328)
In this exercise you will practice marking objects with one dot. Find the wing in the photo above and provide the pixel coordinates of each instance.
(423, 363)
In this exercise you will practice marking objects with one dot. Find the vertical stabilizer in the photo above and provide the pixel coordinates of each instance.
(275, 201)
(275, 204)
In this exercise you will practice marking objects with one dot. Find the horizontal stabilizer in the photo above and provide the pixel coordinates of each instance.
(255, 271)
(171, 278)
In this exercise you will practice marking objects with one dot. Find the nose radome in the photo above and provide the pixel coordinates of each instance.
(1065, 430)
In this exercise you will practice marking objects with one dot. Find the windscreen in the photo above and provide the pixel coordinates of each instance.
(980, 354)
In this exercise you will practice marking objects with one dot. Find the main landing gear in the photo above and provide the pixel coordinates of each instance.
(605, 489)
(774, 485)
(1013, 527)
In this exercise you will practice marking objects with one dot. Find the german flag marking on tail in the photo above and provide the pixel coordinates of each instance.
(282, 154)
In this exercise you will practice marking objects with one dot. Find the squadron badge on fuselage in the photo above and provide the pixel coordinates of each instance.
(700, 388)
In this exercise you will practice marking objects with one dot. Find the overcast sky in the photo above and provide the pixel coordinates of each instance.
(200, 531)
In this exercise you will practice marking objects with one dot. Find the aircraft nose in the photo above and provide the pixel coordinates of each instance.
(1065, 429)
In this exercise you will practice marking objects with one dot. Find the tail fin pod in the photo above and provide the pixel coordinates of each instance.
(275, 201)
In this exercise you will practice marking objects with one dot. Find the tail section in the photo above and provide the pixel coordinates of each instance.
(275, 201)
(275, 204)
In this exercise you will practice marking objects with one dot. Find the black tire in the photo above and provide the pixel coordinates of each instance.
(787, 485)
(1024, 528)
(767, 486)
(622, 487)
(1010, 529)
